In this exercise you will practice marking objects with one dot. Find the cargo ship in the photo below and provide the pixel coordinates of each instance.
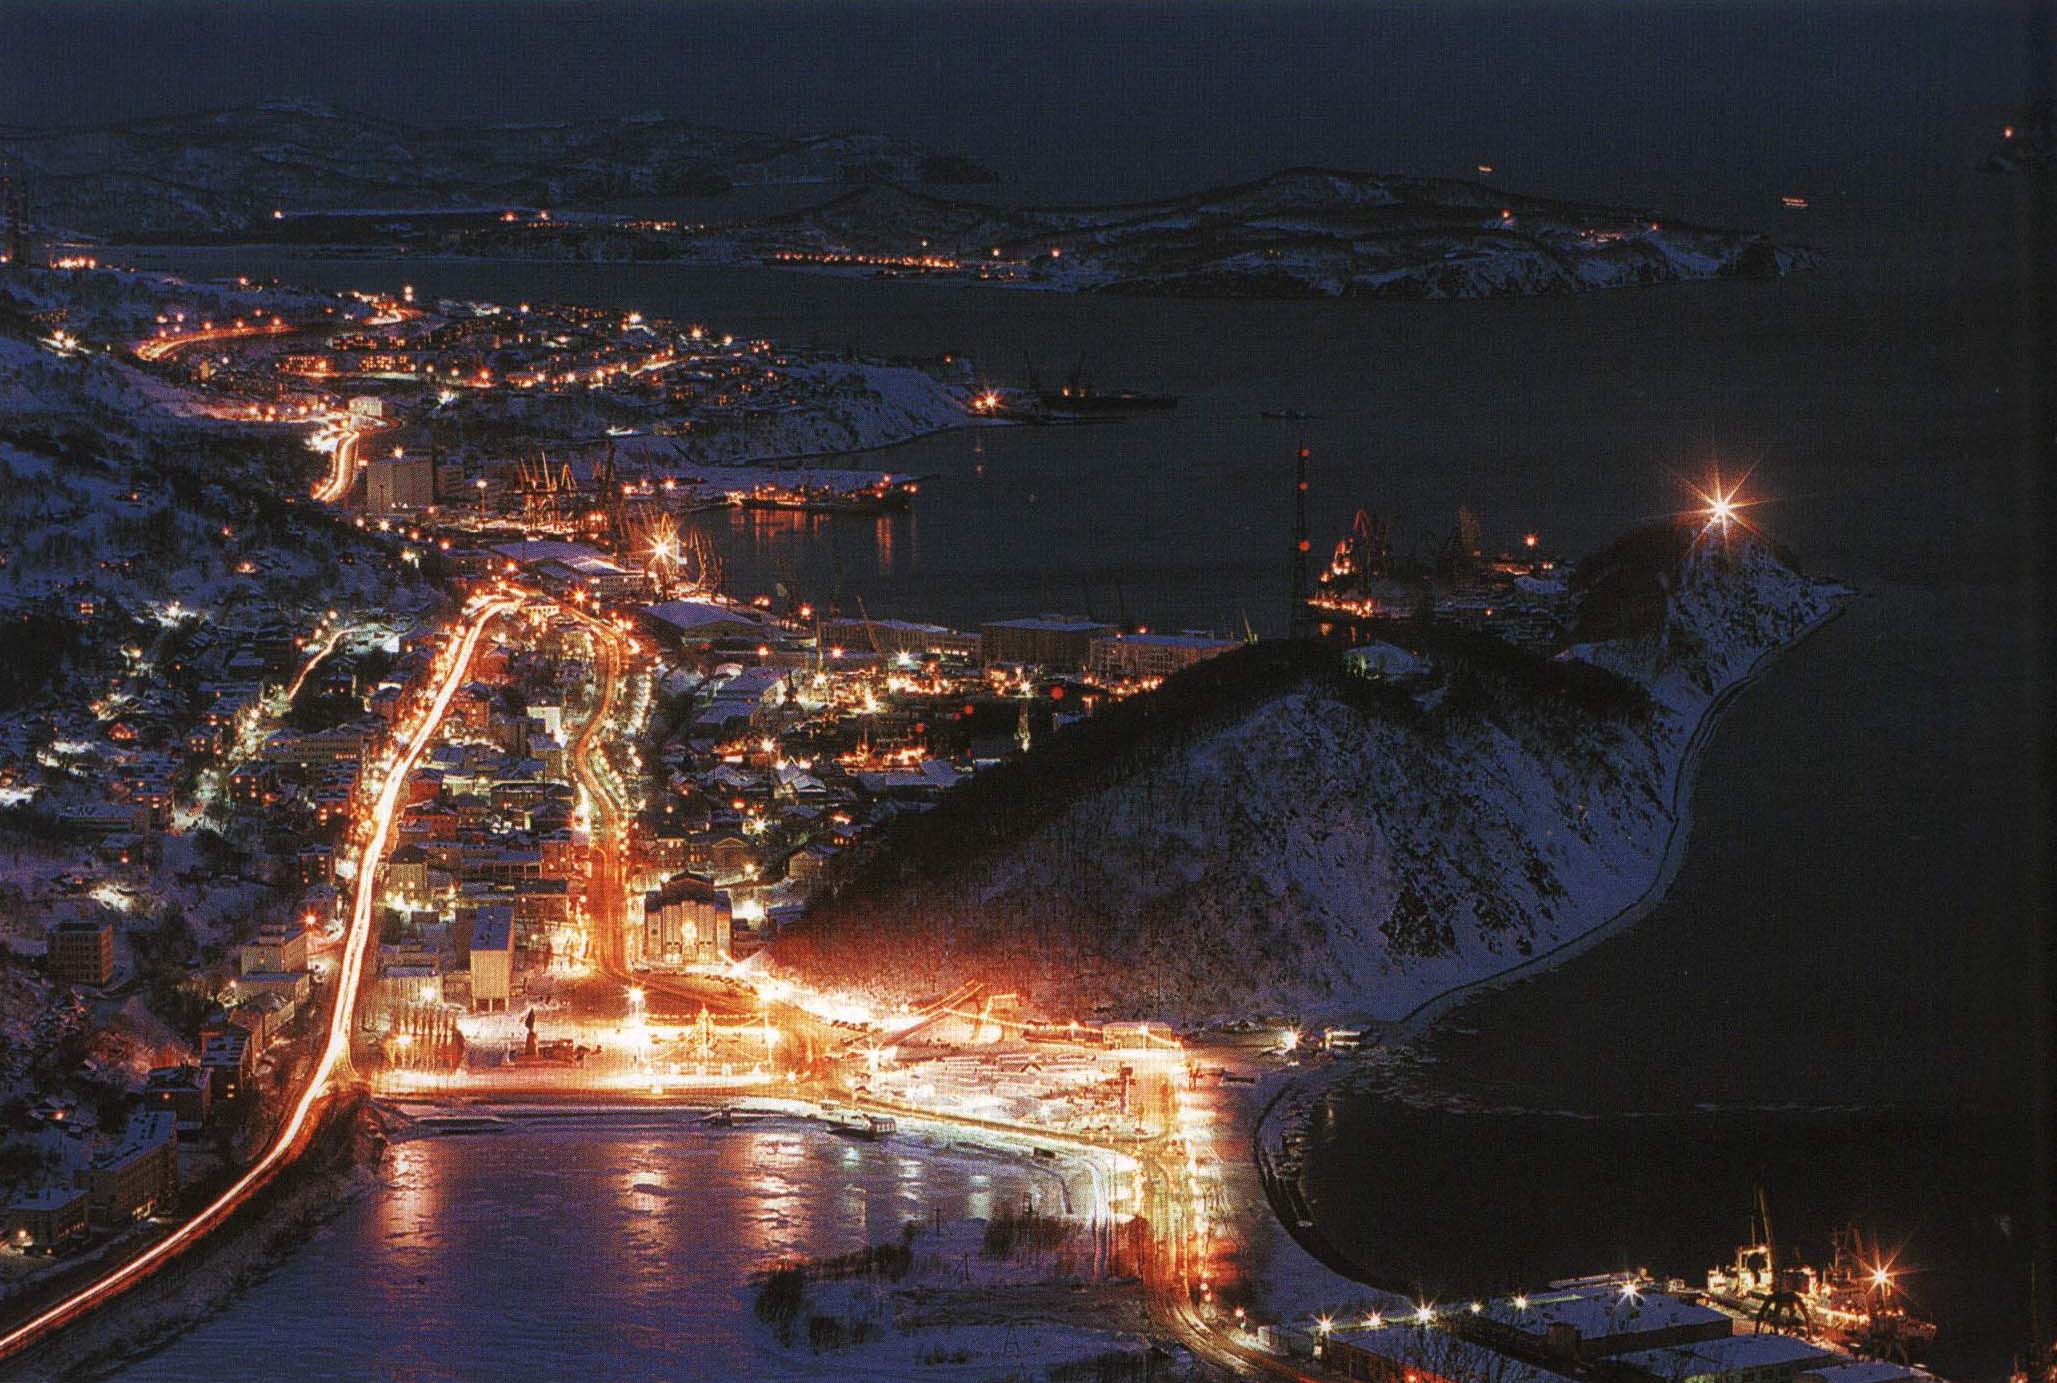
(1854, 1305)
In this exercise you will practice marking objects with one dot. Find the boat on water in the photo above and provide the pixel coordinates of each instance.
(460, 1123)
(868, 502)
(1120, 401)
(870, 1128)
(1286, 415)
(1078, 397)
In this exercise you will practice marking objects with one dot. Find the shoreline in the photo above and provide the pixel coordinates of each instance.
(1286, 1114)
(340, 1165)
(1807, 259)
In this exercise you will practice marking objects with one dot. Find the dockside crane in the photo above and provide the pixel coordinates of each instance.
(1784, 1309)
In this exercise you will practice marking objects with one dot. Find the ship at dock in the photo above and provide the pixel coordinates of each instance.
(1854, 1304)
(1078, 397)
(886, 497)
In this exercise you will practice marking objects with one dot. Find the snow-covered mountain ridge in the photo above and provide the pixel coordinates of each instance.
(1299, 233)
(221, 172)
(1327, 850)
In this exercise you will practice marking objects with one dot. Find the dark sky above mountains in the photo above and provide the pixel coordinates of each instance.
(1095, 99)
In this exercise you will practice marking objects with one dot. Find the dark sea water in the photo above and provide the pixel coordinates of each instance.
(1839, 995)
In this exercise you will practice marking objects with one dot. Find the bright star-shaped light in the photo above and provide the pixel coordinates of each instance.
(1720, 505)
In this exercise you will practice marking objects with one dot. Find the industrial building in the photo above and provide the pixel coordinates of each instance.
(703, 621)
(1592, 1320)
(888, 637)
(565, 566)
(1145, 656)
(1412, 1353)
(1051, 641)
(1729, 1359)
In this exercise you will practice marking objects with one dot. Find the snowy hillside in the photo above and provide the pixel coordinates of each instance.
(1304, 232)
(222, 172)
(1326, 853)
(850, 407)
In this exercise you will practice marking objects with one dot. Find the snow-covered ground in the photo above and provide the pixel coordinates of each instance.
(851, 406)
(1309, 858)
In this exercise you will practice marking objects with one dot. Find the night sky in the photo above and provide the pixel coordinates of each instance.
(1100, 100)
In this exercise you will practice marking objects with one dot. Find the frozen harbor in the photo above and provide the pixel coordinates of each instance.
(600, 1247)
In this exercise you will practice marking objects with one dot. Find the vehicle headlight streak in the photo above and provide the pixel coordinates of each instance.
(335, 1053)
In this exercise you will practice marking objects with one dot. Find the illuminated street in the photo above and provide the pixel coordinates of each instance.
(333, 1062)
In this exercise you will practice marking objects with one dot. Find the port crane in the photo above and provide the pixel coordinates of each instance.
(1784, 1308)
(542, 487)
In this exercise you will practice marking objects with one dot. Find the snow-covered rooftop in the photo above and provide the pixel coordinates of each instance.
(1599, 1311)
(1729, 1354)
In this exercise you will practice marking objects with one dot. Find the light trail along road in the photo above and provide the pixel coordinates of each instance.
(607, 830)
(297, 1129)
(161, 348)
(342, 462)
(329, 644)
(608, 833)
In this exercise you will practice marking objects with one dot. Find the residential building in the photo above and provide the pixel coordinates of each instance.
(82, 951)
(47, 1218)
(491, 948)
(139, 1174)
(183, 1090)
(280, 948)
(228, 1059)
(399, 482)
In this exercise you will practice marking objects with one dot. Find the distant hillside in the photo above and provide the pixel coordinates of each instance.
(1304, 232)
(219, 172)
(1269, 834)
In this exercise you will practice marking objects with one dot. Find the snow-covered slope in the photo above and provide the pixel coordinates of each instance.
(1310, 855)
(221, 172)
(1305, 232)
(851, 406)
